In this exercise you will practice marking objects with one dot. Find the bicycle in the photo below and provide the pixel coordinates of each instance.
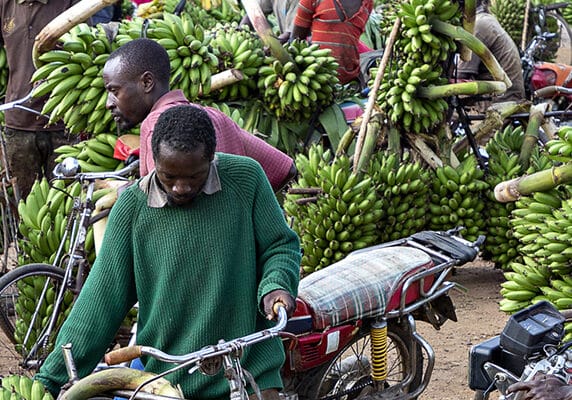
(9, 197)
(53, 286)
(132, 384)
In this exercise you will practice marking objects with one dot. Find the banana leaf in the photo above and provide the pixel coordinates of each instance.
(334, 122)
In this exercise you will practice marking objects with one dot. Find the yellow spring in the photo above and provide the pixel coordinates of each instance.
(379, 351)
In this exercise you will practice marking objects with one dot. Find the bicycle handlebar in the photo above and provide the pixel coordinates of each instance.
(68, 168)
(129, 353)
(549, 91)
(555, 6)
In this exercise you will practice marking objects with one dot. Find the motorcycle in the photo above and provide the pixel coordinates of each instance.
(353, 333)
(529, 343)
(540, 74)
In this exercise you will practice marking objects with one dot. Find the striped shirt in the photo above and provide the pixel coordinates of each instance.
(340, 33)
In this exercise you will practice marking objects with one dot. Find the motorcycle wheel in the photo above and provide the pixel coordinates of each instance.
(347, 376)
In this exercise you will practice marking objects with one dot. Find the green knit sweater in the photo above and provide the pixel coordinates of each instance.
(199, 274)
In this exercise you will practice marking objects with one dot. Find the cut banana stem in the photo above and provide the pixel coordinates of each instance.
(535, 120)
(540, 181)
(463, 88)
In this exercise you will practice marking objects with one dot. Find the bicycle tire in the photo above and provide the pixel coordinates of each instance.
(563, 54)
(349, 380)
(15, 307)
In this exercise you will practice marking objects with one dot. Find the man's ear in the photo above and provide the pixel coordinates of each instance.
(148, 81)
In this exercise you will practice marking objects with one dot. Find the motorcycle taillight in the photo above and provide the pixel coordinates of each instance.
(542, 78)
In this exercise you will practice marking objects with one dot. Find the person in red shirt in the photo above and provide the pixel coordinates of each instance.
(335, 25)
(136, 77)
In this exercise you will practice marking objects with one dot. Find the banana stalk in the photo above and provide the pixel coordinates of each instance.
(476, 46)
(371, 101)
(261, 26)
(373, 129)
(541, 181)
(469, 15)
(78, 13)
(535, 120)
(116, 379)
(225, 78)
(472, 88)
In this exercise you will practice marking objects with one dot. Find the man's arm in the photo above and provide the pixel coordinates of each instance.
(301, 28)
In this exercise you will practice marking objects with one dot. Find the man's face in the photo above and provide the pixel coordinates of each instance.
(126, 98)
(181, 174)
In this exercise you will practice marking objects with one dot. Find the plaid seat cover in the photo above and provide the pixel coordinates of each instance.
(359, 285)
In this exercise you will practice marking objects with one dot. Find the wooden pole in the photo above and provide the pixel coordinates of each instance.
(373, 93)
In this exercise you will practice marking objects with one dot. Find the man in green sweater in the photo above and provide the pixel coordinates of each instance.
(203, 245)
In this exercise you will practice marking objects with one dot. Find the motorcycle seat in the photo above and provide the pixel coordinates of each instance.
(361, 285)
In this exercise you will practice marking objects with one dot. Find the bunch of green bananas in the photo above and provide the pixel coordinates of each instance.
(523, 284)
(188, 46)
(150, 9)
(235, 113)
(43, 218)
(560, 148)
(403, 186)
(295, 90)
(93, 155)
(510, 15)
(567, 13)
(240, 49)
(342, 217)
(546, 217)
(72, 78)
(3, 71)
(500, 245)
(34, 295)
(456, 199)
(18, 387)
(420, 54)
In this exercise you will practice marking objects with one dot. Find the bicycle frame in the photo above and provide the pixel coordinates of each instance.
(76, 229)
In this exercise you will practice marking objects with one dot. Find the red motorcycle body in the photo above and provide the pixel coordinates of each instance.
(551, 74)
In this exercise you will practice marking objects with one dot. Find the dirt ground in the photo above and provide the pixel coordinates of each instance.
(478, 319)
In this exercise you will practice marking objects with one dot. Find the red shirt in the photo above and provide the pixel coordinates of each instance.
(331, 32)
(230, 138)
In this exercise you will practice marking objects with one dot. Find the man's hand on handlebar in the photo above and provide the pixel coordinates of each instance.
(542, 387)
(278, 296)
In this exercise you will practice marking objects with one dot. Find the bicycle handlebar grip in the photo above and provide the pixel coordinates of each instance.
(277, 305)
(123, 354)
(546, 91)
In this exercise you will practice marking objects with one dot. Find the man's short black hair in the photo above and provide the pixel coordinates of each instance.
(141, 55)
(184, 128)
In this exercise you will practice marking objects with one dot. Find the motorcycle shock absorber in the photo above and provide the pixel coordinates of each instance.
(379, 352)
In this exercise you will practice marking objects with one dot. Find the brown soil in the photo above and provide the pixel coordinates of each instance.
(479, 318)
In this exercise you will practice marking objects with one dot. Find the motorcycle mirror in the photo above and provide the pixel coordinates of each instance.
(67, 168)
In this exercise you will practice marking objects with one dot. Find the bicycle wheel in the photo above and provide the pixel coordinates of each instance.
(347, 376)
(27, 296)
(555, 23)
